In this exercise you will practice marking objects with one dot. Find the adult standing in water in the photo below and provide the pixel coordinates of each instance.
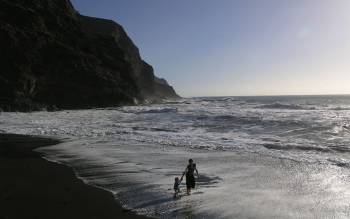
(189, 172)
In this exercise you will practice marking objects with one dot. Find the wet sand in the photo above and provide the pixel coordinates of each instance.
(31, 187)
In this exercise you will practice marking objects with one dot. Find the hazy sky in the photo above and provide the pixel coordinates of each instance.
(239, 47)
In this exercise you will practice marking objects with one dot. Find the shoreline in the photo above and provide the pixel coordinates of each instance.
(33, 187)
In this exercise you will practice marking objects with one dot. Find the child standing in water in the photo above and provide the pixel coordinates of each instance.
(177, 186)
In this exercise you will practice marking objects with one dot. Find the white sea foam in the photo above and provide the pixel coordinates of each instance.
(225, 123)
(148, 146)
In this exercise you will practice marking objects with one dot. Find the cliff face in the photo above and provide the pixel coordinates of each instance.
(53, 57)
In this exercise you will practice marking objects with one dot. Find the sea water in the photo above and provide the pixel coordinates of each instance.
(258, 157)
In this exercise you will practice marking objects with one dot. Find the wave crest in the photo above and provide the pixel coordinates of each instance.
(285, 106)
(340, 108)
(162, 110)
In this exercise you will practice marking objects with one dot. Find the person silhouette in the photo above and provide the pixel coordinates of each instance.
(189, 172)
(177, 186)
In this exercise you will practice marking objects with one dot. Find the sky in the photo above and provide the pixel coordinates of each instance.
(238, 47)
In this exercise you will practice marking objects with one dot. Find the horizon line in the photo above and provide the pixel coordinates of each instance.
(268, 95)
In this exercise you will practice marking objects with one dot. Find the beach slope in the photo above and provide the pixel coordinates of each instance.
(31, 187)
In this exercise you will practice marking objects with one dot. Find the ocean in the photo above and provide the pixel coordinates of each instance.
(258, 157)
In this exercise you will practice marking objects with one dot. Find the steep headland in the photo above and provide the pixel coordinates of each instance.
(53, 57)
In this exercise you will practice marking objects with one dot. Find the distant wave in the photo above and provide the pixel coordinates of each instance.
(162, 110)
(338, 148)
(256, 120)
(340, 130)
(341, 149)
(340, 108)
(224, 99)
(230, 118)
(340, 162)
(285, 106)
(136, 128)
(176, 102)
(294, 147)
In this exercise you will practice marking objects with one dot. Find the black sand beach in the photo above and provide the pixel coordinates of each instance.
(31, 187)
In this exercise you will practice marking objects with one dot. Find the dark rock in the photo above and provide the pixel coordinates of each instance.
(54, 58)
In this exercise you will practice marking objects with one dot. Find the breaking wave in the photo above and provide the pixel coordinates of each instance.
(214, 124)
(340, 108)
(285, 106)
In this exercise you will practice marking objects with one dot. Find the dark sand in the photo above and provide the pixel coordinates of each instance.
(31, 187)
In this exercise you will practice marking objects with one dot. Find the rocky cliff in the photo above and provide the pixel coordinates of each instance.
(53, 57)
